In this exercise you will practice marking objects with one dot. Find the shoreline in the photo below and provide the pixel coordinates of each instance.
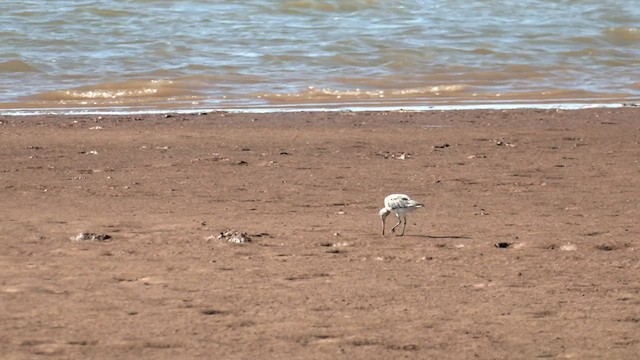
(528, 242)
(314, 108)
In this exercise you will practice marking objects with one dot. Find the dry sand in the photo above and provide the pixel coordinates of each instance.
(560, 189)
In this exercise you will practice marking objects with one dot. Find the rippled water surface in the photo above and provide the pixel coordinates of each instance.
(157, 54)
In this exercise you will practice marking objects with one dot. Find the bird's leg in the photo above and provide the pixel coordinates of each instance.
(393, 229)
(404, 226)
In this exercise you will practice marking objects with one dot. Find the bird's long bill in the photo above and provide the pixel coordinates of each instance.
(382, 226)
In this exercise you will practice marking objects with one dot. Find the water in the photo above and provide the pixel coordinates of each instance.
(183, 55)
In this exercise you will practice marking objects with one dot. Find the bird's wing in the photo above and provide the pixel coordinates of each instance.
(399, 201)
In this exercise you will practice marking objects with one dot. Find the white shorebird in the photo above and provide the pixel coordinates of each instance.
(400, 205)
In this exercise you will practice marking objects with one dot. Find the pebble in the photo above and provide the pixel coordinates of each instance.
(234, 236)
(85, 236)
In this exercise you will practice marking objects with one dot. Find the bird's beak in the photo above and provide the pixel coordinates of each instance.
(382, 226)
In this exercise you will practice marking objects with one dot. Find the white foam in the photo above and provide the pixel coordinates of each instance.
(312, 108)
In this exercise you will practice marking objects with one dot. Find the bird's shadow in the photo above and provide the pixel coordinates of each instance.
(439, 237)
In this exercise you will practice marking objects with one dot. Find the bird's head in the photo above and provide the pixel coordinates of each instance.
(384, 212)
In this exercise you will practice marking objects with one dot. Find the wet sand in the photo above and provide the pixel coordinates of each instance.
(558, 190)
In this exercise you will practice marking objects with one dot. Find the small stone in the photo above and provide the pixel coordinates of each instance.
(212, 312)
(402, 156)
(234, 236)
(503, 245)
(85, 236)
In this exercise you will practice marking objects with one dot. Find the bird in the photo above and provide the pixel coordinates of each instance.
(400, 205)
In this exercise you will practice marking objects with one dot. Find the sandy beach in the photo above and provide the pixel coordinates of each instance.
(527, 246)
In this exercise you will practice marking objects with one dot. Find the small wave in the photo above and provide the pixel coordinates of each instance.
(551, 95)
(108, 13)
(432, 90)
(436, 96)
(484, 51)
(623, 36)
(151, 88)
(16, 66)
(312, 94)
(123, 93)
(335, 6)
(588, 51)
